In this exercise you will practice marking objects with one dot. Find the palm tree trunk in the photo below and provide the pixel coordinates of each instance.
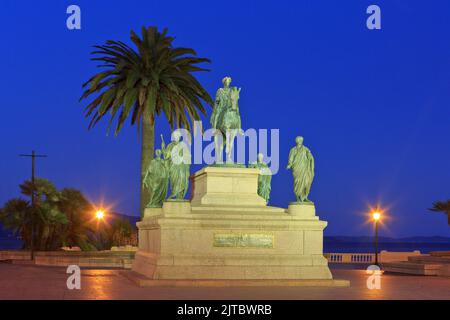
(147, 150)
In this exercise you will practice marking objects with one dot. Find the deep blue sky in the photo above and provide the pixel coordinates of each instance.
(374, 106)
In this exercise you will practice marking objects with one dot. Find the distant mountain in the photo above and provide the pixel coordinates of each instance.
(111, 216)
(365, 239)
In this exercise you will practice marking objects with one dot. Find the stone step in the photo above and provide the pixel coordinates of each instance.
(144, 281)
(440, 253)
(429, 259)
(408, 267)
(239, 209)
(258, 213)
(241, 213)
(237, 217)
(22, 262)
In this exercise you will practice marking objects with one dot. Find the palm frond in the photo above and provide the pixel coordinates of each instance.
(153, 78)
(441, 206)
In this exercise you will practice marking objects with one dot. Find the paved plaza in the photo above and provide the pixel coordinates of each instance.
(37, 282)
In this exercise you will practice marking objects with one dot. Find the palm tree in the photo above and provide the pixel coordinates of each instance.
(60, 218)
(442, 206)
(16, 216)
(144, 83)
(46, 217)
(79, 214)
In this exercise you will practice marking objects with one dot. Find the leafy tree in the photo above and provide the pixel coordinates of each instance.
(442, 206)
(19, 216)
(121, 231)
(116, 232)
(101, 238)
(16, 216)
(140, 84)
(60, 218)
(79, 214)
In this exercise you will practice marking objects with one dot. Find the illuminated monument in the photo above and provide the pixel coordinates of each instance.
(227, 231)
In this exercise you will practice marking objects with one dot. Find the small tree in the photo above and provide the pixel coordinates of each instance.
(59, 217)
(122, 232)
(16, 216)
(79, 213)
(45, 217)
(117, 232)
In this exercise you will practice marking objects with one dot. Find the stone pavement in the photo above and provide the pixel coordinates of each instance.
(37, 282)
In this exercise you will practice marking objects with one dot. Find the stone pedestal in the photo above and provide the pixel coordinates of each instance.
(176, 207)
(228, 232)
(152, 212)
(305, 210)
(226, 186)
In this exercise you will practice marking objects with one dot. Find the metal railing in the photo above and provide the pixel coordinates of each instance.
(363, 258)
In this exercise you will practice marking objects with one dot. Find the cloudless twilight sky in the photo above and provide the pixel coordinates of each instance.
(373, 106)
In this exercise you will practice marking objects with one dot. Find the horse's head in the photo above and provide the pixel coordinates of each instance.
(235, 96)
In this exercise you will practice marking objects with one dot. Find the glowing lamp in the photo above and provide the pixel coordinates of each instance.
(99, 214)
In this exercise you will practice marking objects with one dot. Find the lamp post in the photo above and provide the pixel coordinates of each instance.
(100, 214)
(376, 215)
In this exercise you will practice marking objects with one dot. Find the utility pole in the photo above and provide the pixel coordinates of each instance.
(33, 157)
(376, 242)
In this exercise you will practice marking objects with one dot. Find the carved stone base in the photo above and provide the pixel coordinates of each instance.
(218, 237)
(306, 210)
(226, 186)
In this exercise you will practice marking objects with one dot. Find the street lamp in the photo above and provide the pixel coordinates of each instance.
(99, 214)
(376, 215)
